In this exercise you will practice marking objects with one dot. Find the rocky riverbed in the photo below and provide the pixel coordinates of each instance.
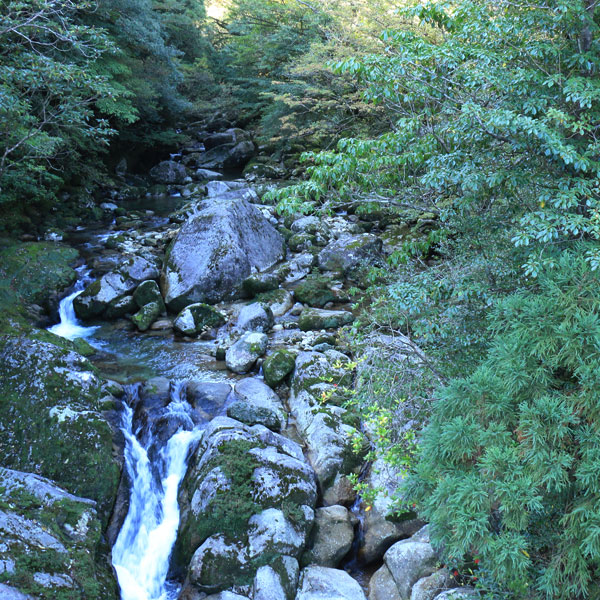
(224, 315)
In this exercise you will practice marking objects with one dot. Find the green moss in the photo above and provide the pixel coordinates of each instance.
(315, 290)
(278, 366)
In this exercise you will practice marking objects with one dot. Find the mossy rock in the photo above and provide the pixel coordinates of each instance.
(315, 291)
(198, 317)
(147, 292)
(301, 241)
(278, 366)
(31, 272)
(147, 315)
(314, 319)
(51, 421)
(259, 283)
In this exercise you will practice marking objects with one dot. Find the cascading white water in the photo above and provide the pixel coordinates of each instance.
(143, 548)
(69, 327)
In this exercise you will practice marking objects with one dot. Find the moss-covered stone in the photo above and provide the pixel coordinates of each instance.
(278, 366)
(33, 271)
(147, 315)
(121, 307)
(51, 421)
(259, 283)
(312, 319)
(315, 291)
(301, 241)
(196, 318)
(147, 292)
(70, 563)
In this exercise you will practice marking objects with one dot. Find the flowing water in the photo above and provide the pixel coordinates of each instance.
(69, 326)
(142, 550)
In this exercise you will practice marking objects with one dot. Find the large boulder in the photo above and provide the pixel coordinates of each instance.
(323, 583)
(52, 420)
(248, 495)
(215, 250)
(349, 254)
(169, 172)
(258, 396)
(102, 293)
(50, 542)
(332, 537)
(255, 317)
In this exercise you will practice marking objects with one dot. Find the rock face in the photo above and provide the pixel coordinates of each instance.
(49, 541)
(248, 494)
(51, 420)
(322, 583)
(215, 250)
(168, 172)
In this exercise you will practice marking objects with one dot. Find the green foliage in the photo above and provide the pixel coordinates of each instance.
(509, 465)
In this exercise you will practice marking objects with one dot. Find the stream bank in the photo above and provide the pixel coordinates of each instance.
(236, 437)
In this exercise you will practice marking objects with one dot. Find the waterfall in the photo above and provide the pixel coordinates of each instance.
(142, 550)
(69, 326)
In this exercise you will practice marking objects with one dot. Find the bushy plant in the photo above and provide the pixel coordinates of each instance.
(510, 463)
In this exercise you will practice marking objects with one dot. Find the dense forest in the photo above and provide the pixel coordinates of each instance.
(468, 131)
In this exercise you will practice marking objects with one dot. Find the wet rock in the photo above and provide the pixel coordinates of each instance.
(278, 366)
(408, 562)
(147, 315)
(241, 356)
(317, 319)
(322, 583)
(195, 318)
(382, 586)
(332, 537)
(215, 250)
(147, 292)
(96, 298)
(209, 397)
(428, 588)
(255, 317)
(347, 254)
(169, 172)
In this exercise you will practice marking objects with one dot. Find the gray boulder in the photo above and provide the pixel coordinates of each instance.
(241, 356)
(349, 253)
(255, 317)
(207, 174)
(332, 537)
(408, 562)
(94, 300)
(322, 583)
(139, 268)
(215, 250)
(255, 393)
(465, 593)
(169, 172)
